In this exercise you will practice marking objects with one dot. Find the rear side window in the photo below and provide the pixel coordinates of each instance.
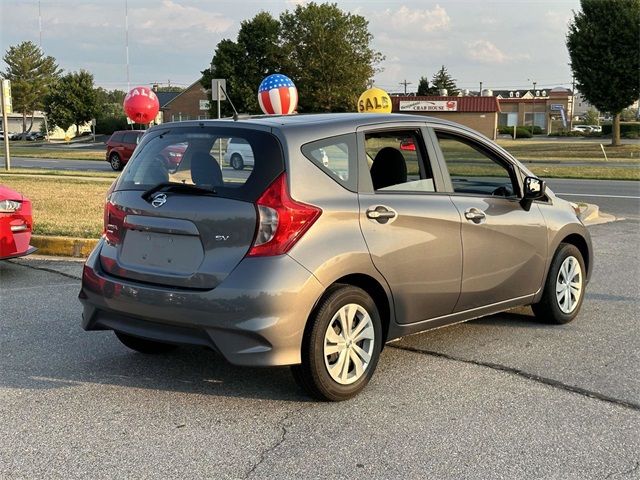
(200, 156)
(116, 138)
(336, 156)
(131, 137)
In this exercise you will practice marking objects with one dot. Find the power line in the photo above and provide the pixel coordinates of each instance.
(405, 83)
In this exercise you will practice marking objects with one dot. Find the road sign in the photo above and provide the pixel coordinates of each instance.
(214, 89)
(556, 106)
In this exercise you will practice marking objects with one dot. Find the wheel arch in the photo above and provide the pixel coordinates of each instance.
(373, 288)
(580, 243)
(377, 293)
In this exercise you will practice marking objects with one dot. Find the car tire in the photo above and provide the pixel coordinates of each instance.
(236, 162)
(115, 162)
(564, 288)
(337, 366)
(143, 345)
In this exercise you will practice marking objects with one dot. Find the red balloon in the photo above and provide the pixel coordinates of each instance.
(141, 105)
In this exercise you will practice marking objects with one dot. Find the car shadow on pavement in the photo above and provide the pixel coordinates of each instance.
(99, 359)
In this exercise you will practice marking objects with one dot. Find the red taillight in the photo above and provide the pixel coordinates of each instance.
(282, 220)
(113, 219)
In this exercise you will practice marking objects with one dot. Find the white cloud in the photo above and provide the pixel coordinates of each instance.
(432, 20)
(484, 51)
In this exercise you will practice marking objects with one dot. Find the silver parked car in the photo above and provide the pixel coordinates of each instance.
(351, 230)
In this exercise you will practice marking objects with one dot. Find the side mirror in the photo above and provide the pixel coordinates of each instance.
(534, 189)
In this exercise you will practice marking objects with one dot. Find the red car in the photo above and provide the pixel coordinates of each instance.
(120, 147)
(15, 224)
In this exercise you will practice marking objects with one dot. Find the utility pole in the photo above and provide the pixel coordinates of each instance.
(405, 83)
(573, 102)
(480, 92)
(533, 115)
(5, 123)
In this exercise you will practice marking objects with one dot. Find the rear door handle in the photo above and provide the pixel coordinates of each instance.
(381, 214)
(475, 215)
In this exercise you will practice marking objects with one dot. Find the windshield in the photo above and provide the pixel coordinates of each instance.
(205, 157)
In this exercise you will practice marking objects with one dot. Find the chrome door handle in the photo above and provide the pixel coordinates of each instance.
(381, 214)
(475, 215)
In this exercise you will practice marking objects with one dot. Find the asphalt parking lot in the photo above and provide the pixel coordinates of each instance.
(499, 397)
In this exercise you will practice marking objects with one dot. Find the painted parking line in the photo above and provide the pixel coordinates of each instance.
(597, 195)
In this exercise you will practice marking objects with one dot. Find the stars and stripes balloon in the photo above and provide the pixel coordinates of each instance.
(277, 95)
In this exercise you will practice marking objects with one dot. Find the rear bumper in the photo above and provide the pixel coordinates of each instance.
(255, 317)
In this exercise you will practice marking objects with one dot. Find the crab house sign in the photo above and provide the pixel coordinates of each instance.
(429, 106)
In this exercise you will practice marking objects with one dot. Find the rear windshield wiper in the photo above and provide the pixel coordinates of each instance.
(178, 187)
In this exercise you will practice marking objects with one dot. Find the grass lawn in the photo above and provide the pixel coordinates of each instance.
(60, 173)
(63, 206)
(575, 150)
(57, 153)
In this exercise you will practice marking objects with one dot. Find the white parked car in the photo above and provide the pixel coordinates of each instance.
(581, 128)
(239, 154)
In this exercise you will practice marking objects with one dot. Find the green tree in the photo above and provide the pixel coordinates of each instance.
(603, 47)
(442, 79)
(244, 63)
(424, 89)
(591, 117)
(324, 50)
(31, 74)
(330, 55)
(109, 102)
(72, 101)
(629, 115)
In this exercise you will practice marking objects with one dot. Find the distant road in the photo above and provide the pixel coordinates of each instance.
(618, 197)
(58, 164)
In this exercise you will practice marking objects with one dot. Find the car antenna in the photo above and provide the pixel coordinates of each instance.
(235, 112)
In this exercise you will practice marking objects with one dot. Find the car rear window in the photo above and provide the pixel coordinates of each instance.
(197, 156)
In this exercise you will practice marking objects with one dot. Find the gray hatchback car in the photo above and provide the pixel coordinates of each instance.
(347, 232)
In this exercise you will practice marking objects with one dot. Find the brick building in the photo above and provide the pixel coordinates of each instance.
(190, 104)
(479, 113)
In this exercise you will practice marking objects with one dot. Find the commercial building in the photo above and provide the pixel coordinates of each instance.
(479, 113)
(550, 110)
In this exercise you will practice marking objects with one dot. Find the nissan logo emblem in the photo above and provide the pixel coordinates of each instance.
(159, 200)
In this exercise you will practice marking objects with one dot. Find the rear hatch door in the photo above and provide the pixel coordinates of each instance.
(189, 224)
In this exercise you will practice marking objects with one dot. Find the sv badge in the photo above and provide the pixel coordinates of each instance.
(222, 238)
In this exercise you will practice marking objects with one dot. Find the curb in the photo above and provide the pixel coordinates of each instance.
(590, 214)
(64, 246)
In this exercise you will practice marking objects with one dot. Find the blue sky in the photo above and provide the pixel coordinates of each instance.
(504, 44)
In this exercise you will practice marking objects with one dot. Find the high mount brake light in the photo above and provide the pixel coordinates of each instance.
(282, 220)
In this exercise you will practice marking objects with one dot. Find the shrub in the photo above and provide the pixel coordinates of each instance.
(521, 132)
(627, 130)
(563, 133)
(107, 125)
